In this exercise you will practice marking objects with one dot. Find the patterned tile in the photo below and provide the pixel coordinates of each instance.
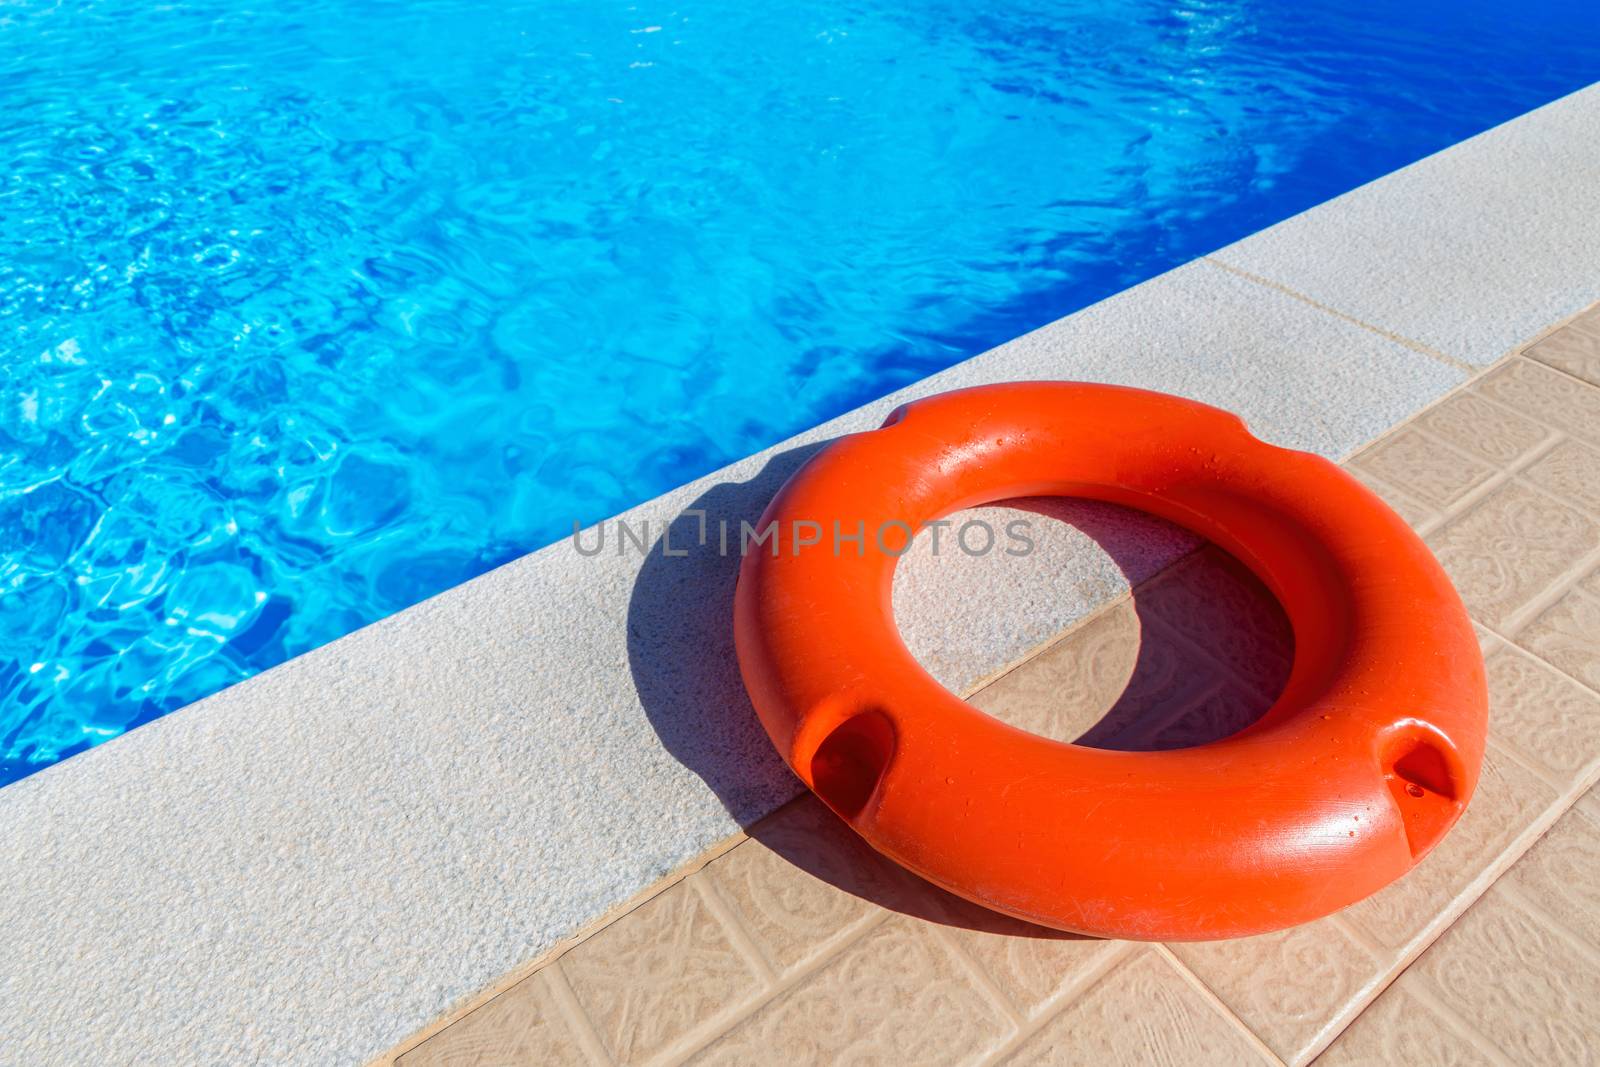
(1066, 689)
(1481, 428)
(1546, 395)
(1508, 798)
(873, 965)
(895, 996)
(804, 881)
(1112, 679)
(1568, 636)
(1547, 719)
(667, 969)
(1143, 1012)
(1413, 511)
(1399, 1028)
(1032, 966)
(1288, 986)
(522, 1025)
(1212, 600)
(1571, 473)
(1510, 548)
(1218, 714)
(1561, 874)
(1523, 985)
(1589, 803)
(1575, 348)
(1422, 467)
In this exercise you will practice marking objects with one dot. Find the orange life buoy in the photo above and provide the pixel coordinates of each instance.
(1360, 767)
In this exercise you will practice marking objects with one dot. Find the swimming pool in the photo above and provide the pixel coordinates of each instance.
(310, 311)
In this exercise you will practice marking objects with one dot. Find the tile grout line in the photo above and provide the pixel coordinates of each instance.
(1559, 370)
(692, 1043)
(1083, 982)
(1521, 354)
(575, 1015)
(1546, 600)
(549, 958)
(980, 977)
(1548, 597)
(1467, 384)
(1388, 491)
(1424, 991)
(1225, 671)
(1586, 773)
(1078, 624)
(1389, 335)
(1576, 590)
(1434, 929)
(708, 1029)
(1550, 494)
(1373, 947)
(1149, 733)
(1392, 962)
(1502, 476)
(1579, 943)
(1217, 1003)
(733, 927)
(1565, 797)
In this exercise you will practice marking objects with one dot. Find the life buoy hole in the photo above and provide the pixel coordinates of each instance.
(1200, 650)
(851, 760)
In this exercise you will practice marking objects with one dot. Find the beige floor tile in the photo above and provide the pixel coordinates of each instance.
(1561, 874)
(1575, 348)
(1522, 984)
(1400, 1029)
(1423, 467)
(1030, 965)
(1107, 684)
(1508, 799)
(1213, 601)
(1218, 714)
(1289, 987)
(1568, 636)
(805, 881)
(1547, 719)
(1065, 691)
(896, 996)
(1547, 395)
(1481, 428)
(523, 1025)
(1571, 473)
(1408, 508)
(1511, 547)
(1143, 1012)
(651, 978)
(1589, 803)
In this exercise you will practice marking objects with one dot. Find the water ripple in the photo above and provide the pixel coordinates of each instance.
(309, 311)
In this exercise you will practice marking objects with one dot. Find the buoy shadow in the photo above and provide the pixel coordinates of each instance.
(1197, 653)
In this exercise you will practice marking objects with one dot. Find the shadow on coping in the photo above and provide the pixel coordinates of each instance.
(1207, 655)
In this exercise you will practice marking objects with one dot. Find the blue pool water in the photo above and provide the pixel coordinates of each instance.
(311, 310)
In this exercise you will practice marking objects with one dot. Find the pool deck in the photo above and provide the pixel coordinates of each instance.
(318, 862)
(799, 945)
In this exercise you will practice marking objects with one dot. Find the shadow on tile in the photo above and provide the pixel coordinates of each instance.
(1198, 653)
